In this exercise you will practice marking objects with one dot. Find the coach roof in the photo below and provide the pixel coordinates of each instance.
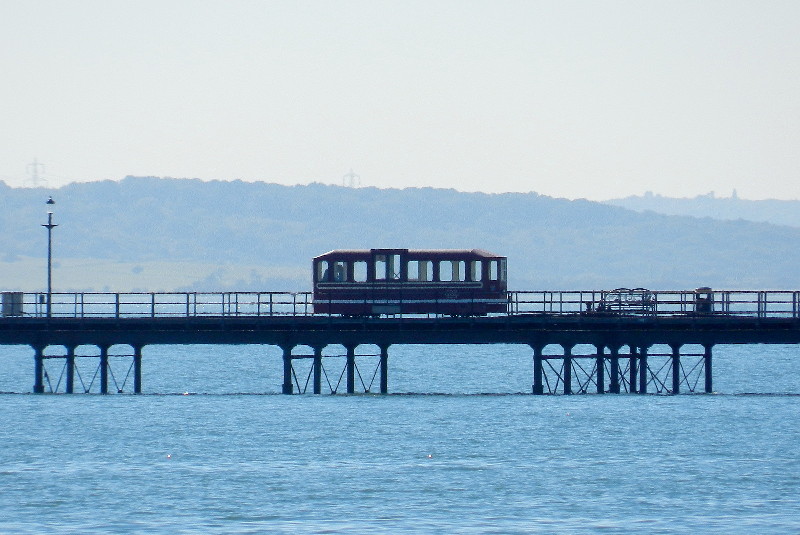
(433, 253)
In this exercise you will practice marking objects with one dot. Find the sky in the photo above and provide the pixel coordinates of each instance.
(577, 99)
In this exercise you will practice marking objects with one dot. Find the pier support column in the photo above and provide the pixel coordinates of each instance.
(567, 368)
(103, 369)
(707, 366)
(70, 386)
(613, 386)
(676, 368)
(318, 369)
(351, 368)
(538, 387)
(287, 387)
(643, 370)
(601, 370)
(633, 369)
(38, 370)
(137, 369)
(384, 369)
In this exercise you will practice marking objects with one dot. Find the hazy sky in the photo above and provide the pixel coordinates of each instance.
(567, 98)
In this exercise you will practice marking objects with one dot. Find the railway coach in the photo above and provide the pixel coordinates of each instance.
(371, 282)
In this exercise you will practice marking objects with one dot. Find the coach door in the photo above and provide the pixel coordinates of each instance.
(387, 271)
(387, 265)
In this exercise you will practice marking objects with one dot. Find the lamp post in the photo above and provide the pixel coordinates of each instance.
(49, 226)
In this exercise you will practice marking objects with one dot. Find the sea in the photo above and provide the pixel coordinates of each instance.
(459, 445)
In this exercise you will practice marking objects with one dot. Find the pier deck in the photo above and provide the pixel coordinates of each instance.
(536, 319)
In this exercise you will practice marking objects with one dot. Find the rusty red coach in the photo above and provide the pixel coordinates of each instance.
(371, 282)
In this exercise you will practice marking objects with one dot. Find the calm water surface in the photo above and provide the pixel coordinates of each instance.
(478, 456)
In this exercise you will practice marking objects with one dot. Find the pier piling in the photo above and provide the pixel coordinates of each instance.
(538, 384)
(351, 368)
(287, 387)
(137, 369)
(613, 386)
(643, 370)
(70, 364)
(318, 369)
(104, 369)
(633, 363)
(38, 373)
(567, 368)
(600, 365)
(676, 368)
(384, 369)
(707, 365)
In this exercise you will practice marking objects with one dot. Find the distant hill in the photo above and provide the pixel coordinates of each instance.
(155, 234)
(726, 208)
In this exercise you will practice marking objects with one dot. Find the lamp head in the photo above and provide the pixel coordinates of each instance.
(50, 201)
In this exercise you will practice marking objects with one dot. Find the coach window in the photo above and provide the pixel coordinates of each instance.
(503, 269)
(412, 270)
(393, 263)
(445, 271)
(452, 270)
(459, 270)
(340, 271)
(493, 269)
(475, 270)
(420, 270)
(425, 270)
(380, 267)
(322, 270)
(360, 271)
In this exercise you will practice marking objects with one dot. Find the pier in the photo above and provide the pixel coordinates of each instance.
(639, 341)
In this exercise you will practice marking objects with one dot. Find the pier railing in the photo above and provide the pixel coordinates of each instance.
(159, 304)
(641, 302)
(619, 302)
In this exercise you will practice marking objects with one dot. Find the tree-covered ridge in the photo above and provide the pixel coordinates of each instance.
(551, 243)
(778, 212)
